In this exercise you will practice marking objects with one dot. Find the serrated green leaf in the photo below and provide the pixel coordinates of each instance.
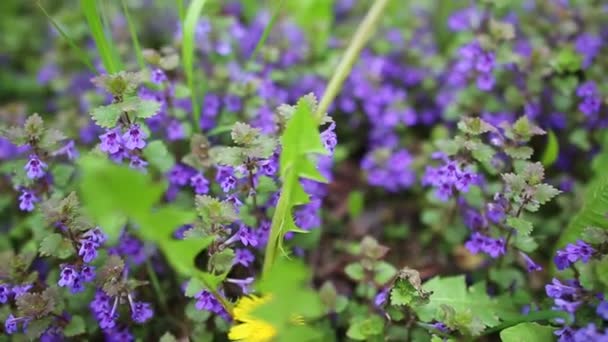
(545, 192)
(106, 116)
(453, 292)
(222, 262)
(362, 328)
(475, 126)
(56, 245)
(523, 227)
(214, 211)
(228, 155)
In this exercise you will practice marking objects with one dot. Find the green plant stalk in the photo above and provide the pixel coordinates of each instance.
(359, 40)
(79, 52)
(110, 61)
(156, 285)
(361, 37)
(133, 33)
(181, 10)
(278, 220)
(267, 30)
(188, 29)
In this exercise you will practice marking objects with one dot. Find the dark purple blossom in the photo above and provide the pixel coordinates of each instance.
(111, 141)
(35, 167)
(531, 266)
(199, 183)
(481, 243)
(573, 253)
(68, 276)
(243, 257)
(141, 312)
(27, 200)
(5, 292)
(134, 138)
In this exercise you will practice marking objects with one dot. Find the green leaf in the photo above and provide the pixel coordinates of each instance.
(592, 214)
(103, 41)
(545, 192)
(56, 245)
(551, 150)
(288, 284)
(315, 17)
(75, 327)
(133, 33)
(566, 60)
(194, 286)
(355, 271)
(62, 173)
(355, 204)
(300, 139)
(188, 54)
(407, 289)
(146, 108)
(527, 332)
(453, 292)
(222, 262)
(106, 116)
(36, 327)
(520, 152)
(475, 126)
(214, 211)
(362, 328)
(522, 226)
(158, 155)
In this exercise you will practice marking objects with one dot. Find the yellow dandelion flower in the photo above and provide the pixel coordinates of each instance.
(252, 329)
(249, 328)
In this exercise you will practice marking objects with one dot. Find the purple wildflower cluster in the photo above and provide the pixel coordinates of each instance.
(120, 146)
(450, 178)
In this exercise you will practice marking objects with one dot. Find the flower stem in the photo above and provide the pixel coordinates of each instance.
(362, 35)
(156, 285)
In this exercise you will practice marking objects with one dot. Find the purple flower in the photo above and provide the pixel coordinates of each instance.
(485, 62)
(88, 250)
(10, 325)
(27, 200)
(199, 183)
(481, 243)
(137, 163)
(158, 76)
(206, 301)
(573, 253)
(329, 138)
(225, 176)
(247, 237)
(134, 138)
(566, 334)
(175, 130)
(485, 81)
(587, 89)
(530, 264)
(68, 149)
(107, 320)
(19, 290)
(95, 235)
(232, 103)
(381, 298)
(68, 276)
(180, 174)
(243, 257)
(87, 273)
(558, 290)
(5, 292)
(111, 141)
(35, 167)
(141, 312)
(495, 212)
(602, 310)
(242, 283)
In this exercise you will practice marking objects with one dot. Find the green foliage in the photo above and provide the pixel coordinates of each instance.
(103, 40)
(551, 150)
(287, 284)
(407, 290)
(315, 17)
(527, 332)
(56, 245)
(251, 144)
(471, 307)
(523, 227)
(355, 203)
(475, 126)
(519, 152)
(566, 60)
(300, 139)
(133, 33)
(75, 327)
(158, 155)
(267, 29)
(110, 191)
(363, 328)
(188, 53)
(107, 116)
(213, 211)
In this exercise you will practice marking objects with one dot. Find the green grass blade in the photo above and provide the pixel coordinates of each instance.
(267, 30)
(102, 41)
(134, 38)
(181, 11)
(81, 54)
(362, 35)
(188, 29)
